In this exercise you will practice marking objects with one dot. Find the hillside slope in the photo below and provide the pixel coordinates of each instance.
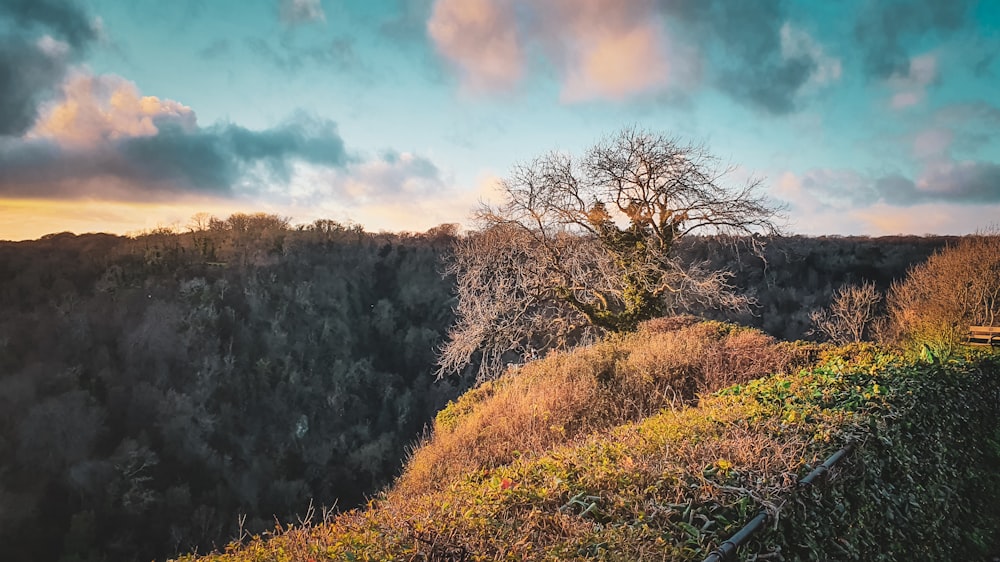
(653, 483)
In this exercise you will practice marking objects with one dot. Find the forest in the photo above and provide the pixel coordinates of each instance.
(170, 391)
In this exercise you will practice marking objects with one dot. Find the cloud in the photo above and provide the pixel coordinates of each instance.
(938, 218)
(605, 49)
(796, 44)
(911, 87)
(952, 160)
(849, 202)
(966, 182)
(885, 27)
(391, 177)
(932, 143)
(295, 12)
(29, 74)
(974, 125)
(41, 39)
(479, 37)
(600, 48)
(981, 68)
(100, 108)
(394, 176)
(764, 61)
(393, 191)
(104, 140)
(63, 18)
(405, 20)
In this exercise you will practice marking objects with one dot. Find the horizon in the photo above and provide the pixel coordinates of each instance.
(864, 118)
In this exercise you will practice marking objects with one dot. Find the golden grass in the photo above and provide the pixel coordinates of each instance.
(564, 396)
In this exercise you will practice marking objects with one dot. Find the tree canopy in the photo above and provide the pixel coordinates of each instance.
(583, 246)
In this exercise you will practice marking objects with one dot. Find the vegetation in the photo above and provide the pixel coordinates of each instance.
(600, 453)
(582, 248)
(957, 287)
(921, 483)
(667, 364)
(159, 388)
(853, 316)
(156, 389)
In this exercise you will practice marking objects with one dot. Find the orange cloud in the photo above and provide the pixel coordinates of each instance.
(480, 38)
(617, 66)
(600, 48)
(96, 108)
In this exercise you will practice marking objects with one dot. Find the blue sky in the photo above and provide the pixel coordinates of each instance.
(862, 116)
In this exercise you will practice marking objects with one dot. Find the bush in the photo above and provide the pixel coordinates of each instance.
(852, 317)
(956, 288)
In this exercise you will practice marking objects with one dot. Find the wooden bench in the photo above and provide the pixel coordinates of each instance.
(984, 335)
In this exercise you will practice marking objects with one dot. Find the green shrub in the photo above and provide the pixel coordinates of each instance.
(924, 482)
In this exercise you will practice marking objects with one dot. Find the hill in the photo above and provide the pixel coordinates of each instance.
(593, 458)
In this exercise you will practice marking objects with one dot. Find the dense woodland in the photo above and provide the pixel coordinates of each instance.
(155, 388)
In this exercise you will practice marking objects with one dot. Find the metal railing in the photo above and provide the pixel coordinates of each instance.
(727, 549)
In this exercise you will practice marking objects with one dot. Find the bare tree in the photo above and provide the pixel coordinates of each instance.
(583, 247)
(852, 315)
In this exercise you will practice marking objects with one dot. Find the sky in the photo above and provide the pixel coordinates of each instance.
(860, 116)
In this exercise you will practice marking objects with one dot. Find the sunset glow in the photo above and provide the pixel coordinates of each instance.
(863, 117)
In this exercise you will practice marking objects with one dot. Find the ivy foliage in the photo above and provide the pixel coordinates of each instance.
(922, 485)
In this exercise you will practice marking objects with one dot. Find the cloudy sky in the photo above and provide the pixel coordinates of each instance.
(863, 116)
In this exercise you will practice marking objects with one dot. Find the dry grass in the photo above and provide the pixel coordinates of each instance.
(565, 396)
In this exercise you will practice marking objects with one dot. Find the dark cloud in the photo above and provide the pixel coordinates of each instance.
(64, 19)
(753, 68)
(27, 75)
(969, 182)
(43, 36)
(215, 160)
(942, 181)
(960, 182)
(884, 26)
(772, 86)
